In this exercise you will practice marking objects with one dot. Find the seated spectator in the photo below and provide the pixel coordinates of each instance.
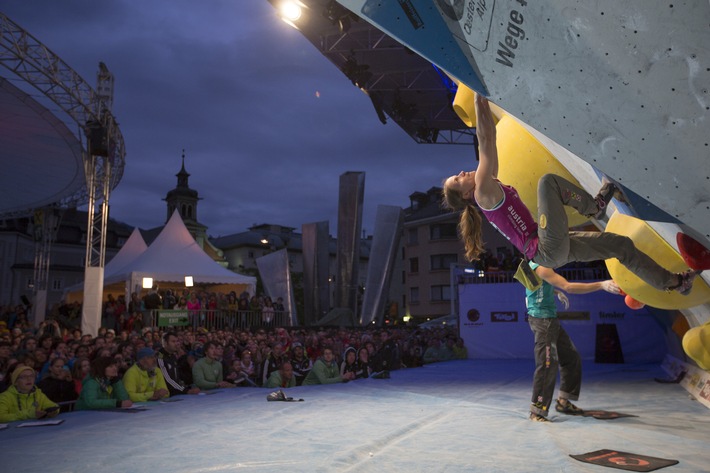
(103, 389)
(301, 364)
(207, 372)
(272, 362)
(362, 365)
(185, 364)
(349, 363)
(79, 371)
(235, 375)
(168, 364)
(59, 385)
(248, 367)
(143, 381)
(460, 351)
(436, 352)
(82, 351)
(325, 371)
(387, 356)
(282, 377)
(23, 400)
(122, 363)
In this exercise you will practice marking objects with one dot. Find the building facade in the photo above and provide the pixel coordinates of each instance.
(66, 260)
(429, 246)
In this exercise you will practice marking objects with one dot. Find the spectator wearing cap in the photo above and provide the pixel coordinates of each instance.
(143, 381)
(23, 400)
(103, 388)
(301, 364)
(207, 372)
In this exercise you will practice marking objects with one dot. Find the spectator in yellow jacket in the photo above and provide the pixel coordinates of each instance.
(23, 400)
(143, 381)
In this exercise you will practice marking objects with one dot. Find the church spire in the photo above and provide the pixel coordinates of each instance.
(183, 175)
(182, 198)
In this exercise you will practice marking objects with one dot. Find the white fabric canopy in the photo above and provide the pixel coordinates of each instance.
(132, 249)
(173, 255)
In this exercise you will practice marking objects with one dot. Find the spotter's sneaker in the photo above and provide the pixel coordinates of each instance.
(538, 418)
(568, 408)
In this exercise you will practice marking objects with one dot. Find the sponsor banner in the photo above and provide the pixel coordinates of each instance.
(493, 324)
(574, 315)
(504, 316)
(173, 318)
(692, 378)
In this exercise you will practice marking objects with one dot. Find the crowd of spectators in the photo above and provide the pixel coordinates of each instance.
(117, 368)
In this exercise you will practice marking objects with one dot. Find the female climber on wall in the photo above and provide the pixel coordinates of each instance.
(549, 243)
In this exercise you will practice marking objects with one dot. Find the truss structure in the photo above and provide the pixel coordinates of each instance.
(402, 85)
(30, 60)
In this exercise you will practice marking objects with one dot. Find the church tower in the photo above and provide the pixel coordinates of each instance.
(185, 200)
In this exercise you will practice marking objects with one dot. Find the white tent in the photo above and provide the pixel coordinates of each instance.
(132, 249)
(173, 255)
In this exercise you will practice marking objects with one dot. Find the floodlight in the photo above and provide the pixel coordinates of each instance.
(188, 281)
(290, 11)
(147, 283)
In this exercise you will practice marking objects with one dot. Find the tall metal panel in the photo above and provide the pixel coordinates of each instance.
(352, 191)
(383, 254)
(276, 276)
(316, 269)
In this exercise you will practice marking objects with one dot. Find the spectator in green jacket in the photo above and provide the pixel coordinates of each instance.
(436, 352)
(103, 389)
(23, 400)
(207, 371)
(282, 377)
(325, 370)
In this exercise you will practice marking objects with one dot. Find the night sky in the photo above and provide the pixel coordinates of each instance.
(268, 124)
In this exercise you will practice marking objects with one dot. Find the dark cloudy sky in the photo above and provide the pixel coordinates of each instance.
(237, 89)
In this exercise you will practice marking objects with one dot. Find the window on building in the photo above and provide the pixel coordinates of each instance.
(251, 254)
(440, 293)
(413, 265)
(413, 236)
(57, 284)
(443, 231)
(414, 295)
(444, 261)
